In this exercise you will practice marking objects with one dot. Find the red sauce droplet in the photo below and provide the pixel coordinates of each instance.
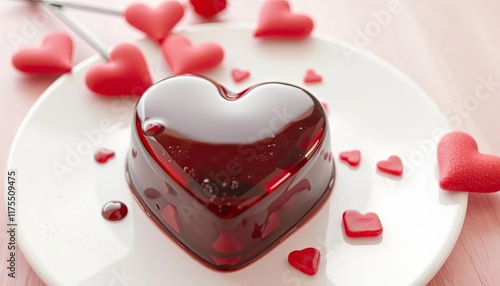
(102, 155)
(114, 211)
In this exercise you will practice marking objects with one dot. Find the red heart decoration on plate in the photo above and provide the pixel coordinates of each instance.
(156, 23)
(55, 55)
(361, 225)
(305, 260)
(102, 155)
(126, 73)
(183, 57)
(208, 8)
(239, 75)
(276, 21)
(312, 77)
(392, 166)
(463, 168)
(353, 158)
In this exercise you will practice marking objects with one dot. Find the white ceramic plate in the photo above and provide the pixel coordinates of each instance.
(373, 107)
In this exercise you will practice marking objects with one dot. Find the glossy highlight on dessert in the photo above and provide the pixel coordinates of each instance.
(228, 175)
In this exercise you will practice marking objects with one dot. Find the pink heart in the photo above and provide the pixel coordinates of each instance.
(305, 260)
(392, 166)
(126, 73)
(463, 168)
(183, 57)
(353, 158)
(276, 21)
(55, 55)
(155, 23)
(102, 155)
(239, 75)
(361, 225)
(312, 77)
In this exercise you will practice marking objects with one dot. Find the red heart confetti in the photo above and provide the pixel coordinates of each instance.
(392, 166)
(361, 225)
(240, 75)
(102, 155)
(208, 8)
(54, 56)
(183, 57)
(305, 260)
(126, 73)
(463, 168)
(353, 158)
(312, 76)
(155, 23)
(276, 21)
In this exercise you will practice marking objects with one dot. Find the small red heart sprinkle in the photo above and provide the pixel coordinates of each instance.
(126, 73)
(361, 225)
(208, 8)
(55, 55)
(183, 57)
(276, 21)
(353, 158)
(305, 260)
(102, 155)
(392, 166)
(312, 77)
(463, 168)
(239, 75)
(155, 23)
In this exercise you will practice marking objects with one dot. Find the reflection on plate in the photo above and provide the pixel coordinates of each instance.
(373, 108)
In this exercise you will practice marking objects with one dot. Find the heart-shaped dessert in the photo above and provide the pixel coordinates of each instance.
(228, 175)
(305, 260)
(353, 158)
(392, 166)
(276, 21)
(361, 225)
(126, 73)
(156, 23)
(54, 56)
(463, 168)
(183, 57)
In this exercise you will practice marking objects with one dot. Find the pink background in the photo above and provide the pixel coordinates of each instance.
(448, 47)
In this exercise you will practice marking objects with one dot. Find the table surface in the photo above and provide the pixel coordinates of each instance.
(450, 48)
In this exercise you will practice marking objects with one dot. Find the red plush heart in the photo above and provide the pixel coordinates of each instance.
(361, 225)
(126, 73)
(463, 168)
(239, 75)
(312, 77)
(276, 21)
(102, 155)
(305, 260)
(208, 8)
(54, 56)
(353, 158)
(156, 23)
(392, 166)
(183, 57)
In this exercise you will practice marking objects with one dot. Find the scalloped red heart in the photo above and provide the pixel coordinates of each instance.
(157, 22)
(276, 21)
(54, 56)
(183, 57)
(463, 168)
(126, 73)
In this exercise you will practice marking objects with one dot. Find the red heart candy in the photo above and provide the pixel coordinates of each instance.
(392, 166)
(239, 75)
(156, 23)
(361, 225)
(353, 158)
(208, 8)
(126, 73)
(102, 155)
(463, 168)
(276, 21)
(305, 260)
(312, 77)
(55, 55)
(183, 57)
